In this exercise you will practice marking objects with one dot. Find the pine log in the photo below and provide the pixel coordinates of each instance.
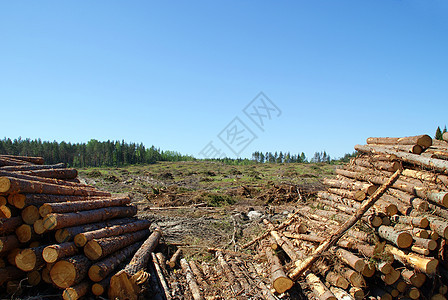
(173, 260)
(429, 163)
(57, 221)
(99, 248)
(99, 288)
(228, 273)
(102, 269)
(29, 159)
(8, 225)
(351, 259)
(415, 202)
(17, 185)
(194, 288)
(280, 282)
(355, 278)
(425, 243)
(8, 243)
(400, 206)
(391, 277)
(337, 280)
(81, 239)
(438, 211)
(420, 222)
(30, 214)
(285, 245)
(357, 293)
(22, 200)
(3, 201)
(25, 233)
(45, 273)
(416, 279)
(126, 283)
(421, 140)
(5, 212)
(338, 200)
(33, 167)
(401, 239)
(384, 267)
(198, 274)
(355, 195)
(439, 226)
(340, 294)
(30, 259)
(68, 207)
(10, 273)
(161, 277)
(70, 271)
(380, 294)
(319, 289)
(390, 166)
(63, 174)
(26, 182)
(55, 252)
(350, 184)
(304, 265)
(67, 234)
(77, 291)
(426, 265)
(9, 161)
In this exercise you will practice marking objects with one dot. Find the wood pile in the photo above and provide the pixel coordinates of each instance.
(55, 230)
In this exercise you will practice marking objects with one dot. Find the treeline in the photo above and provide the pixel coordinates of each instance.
(90, 154)
(287, 157)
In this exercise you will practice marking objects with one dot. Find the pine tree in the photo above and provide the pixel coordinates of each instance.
(444, 129)
(439, 135)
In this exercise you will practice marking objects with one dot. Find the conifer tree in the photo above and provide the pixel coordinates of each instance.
(439, 135)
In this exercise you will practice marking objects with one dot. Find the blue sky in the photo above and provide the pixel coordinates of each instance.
(174, 74)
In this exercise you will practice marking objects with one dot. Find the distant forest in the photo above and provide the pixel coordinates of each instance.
(115, 153)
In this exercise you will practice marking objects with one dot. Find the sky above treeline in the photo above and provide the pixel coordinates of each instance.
(224, 78)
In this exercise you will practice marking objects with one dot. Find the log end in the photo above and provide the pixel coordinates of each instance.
(96, 273)
(63, 274)
(50, 222)
(282, 284)
(97, 289)
(70, 294)
(404, 240)
(24, 233)
(39, 226)
(44, 210)
(26, 260)
(50, 254)
(425, 141)
(61, 235)
(80, 240)
(93, 250)
(30, 214)
(5, 184)
(18, 200)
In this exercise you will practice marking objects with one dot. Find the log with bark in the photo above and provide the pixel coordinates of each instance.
(192, 284)
(9, 225)
(421, 140)
(36, 160)
(280, 282)
(70, 271)
(55, 252)
(30, 259)
(127, 283)
(173, 260)
(161, 276)
(77, 291)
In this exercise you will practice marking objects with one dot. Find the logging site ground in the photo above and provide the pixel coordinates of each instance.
(208, 204)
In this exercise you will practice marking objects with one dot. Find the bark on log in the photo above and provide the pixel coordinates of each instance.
(102, 269)
(57, 221)
(391, 277)
(81, 239)
(355, 195)
(55, 252)
(319, 289)
(8, 243)
(68, 207)
(198, 274)
(416, 279)
(194, 288)
(340, 294)
(426, 265)
(30, 214)
(27, 181)
(37, 160)
(38, 226)
(349, 184)
(390, 166)
(8, 161)
(439, 226)
(280, 282)
(33, 167)
(337, 280)
(99, 288)
(173, 260)
(303, 266)
(415, 202)
(63, 174)
(70, 271)
(401, 239)
(99, 248)
(429, 163)
(22, 200)
(8, 225)
(126, 283)
(10, 273)
(30, 259)
(423, 140)
(67, 234)
(161, 276)
(77, 291)
(5, 212)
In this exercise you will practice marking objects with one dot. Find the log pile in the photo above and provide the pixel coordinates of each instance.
(55, 230)
(398, 246)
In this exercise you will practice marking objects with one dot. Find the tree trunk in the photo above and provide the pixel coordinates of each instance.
(126, 284)
(30, 259)
(303, 266)
(280, 282)
(67, 234)
(81, 239)
(401, 239)
(32, 167)
(27, 159)
(422, 140)
(57, 221)
(68, 207)
(8, 225)
(70, 271)
(99, 248)
(350, 259)
(319, 289)
(194, 288)
(173, 260)
(426, 265)
(55, 252)
(99, 288)
(22, 200)
(349, 184)
(337, 280)
(161, 276)
(25, 233)
(77, 291)
(101, 269)
(439, 226)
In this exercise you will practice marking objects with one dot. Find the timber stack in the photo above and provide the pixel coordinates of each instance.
(397, 248)
(55, 230)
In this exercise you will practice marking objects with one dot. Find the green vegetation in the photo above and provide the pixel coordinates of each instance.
(439, 133)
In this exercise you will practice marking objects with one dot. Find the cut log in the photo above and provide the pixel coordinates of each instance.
(401, 239)
(26, 159)
(337, 280)
(33, 167)
(319, 289)
(5, 212)
(3, 201)
(38, 226)
(77, 291)
(99, 288)
(101, 269)
(350, 259)
(426, 265)
(340, 294)
(81, 239)
(415, 202)
(67, 234)
(57, 221)
(355, 279)
(161, 277)
(8, 225)
(45, 273)
(22, 200)
(9, 161)
(99, 248)
(390, 166)
(439, 226)
(70, 271)
(10, 273)
(425, 243)
(391, 277)
(303, 266)
(420, 222)
(8, 243)
(280, 282)
(30, 214)
(421, 140)
(357, 293)
(63, 174)
(25, 233)
(194, 288)
(126, 284)
(416, 279)
(355, 195)
(349, 184)
(68, 207)
(173, 260)
(55, 252)
(30, 259)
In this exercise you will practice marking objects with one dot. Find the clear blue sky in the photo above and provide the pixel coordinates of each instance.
(174, 74)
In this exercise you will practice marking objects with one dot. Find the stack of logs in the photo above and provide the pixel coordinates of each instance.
(55, 230)
(398, 249)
